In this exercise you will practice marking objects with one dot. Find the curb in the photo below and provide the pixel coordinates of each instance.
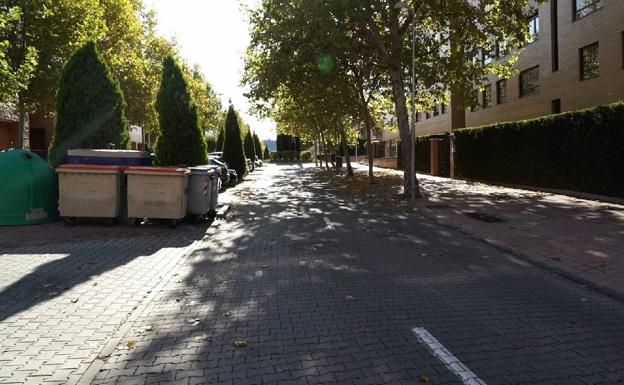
(611, 293)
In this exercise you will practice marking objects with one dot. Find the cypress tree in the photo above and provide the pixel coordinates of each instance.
(257, 146)
(250, 148)
(220, 139)
(267, 153)
(233, 152)
(181, 140)
(90, 107)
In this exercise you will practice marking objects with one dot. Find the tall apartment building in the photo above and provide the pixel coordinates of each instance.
(575, 61)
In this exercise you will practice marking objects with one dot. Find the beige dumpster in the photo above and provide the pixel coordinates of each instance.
(89, 191)
(157, 193)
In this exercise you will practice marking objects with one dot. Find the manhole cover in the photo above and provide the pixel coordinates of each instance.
(438, 206)
(483, 217)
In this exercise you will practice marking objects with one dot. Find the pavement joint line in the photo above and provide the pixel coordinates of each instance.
(452, 363)
(330, 225)
(93, 369)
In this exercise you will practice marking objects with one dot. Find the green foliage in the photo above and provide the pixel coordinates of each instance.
(257, 146)
(274, 156)
(580, 151)
(250, 148)
(14, 77)
(233, 152)
(220, 139)
(208, 103)
(181, 140)
(267, 154)
(90, 107)
(306, 156)
(211, 143)
(51, 30)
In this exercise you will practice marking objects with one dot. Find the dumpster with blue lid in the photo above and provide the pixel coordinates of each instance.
(109, 157)
(28, 189)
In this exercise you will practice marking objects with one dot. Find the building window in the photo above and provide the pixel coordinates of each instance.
(533, 28)
(589, 61)
(487, 96)
(529, 82)
(501, 49)
(555, 106)
(474, 100)
(583, 8)
(501, 91)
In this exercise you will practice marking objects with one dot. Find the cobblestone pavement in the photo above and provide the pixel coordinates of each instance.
(307, 284)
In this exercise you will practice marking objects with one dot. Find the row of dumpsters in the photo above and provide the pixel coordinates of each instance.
(120, 185)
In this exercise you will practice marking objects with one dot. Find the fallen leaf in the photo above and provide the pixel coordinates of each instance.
(241, 344)
(193, 321)
(203, 337)
(349, 297)
(148, 328)
(423, 254)
(227, 314)
(131, 345)
(74, 300)
(424, 378)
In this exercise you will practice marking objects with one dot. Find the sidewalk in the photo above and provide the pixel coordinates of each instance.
(582, 239)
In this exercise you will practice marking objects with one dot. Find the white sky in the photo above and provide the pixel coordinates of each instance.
(213, 34)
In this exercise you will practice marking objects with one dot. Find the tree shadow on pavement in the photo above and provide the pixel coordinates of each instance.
(309, 284)
(36, 274)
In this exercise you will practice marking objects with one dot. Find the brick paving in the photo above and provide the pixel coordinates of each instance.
(319, 286)
(579, 238)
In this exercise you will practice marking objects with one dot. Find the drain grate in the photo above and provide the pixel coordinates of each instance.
(487, 218)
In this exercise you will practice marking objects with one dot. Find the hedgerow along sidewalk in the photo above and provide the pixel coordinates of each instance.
(581, 239)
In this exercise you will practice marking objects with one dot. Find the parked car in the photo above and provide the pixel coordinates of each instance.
(233, 177)
(259, 162)
(224, 173)
(250, 165)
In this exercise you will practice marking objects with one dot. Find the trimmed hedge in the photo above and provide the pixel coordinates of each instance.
(580, 151)
(423, 155)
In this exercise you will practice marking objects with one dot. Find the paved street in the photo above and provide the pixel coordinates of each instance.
(303, 284)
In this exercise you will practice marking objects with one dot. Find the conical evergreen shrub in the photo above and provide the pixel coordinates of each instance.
(233, 152)
(250, 147)
(257, 146)
(89, 108)
(181, 141)
(267, 154)
(220, 139)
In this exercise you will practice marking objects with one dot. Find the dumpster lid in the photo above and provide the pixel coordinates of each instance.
(203, 169)
(88, 167)
(157, 170)
(97, 153)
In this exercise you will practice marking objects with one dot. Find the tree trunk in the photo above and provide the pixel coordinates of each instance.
(22, 128)
(369, 137)
(345, 148)
(405, 133)
(458, 120)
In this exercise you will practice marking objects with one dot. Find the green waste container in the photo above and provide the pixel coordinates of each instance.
(28, 189)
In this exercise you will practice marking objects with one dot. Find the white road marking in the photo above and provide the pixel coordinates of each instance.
(330, 225)
(467, 376)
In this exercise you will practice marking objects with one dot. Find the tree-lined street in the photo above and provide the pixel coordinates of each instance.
(304, 283)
